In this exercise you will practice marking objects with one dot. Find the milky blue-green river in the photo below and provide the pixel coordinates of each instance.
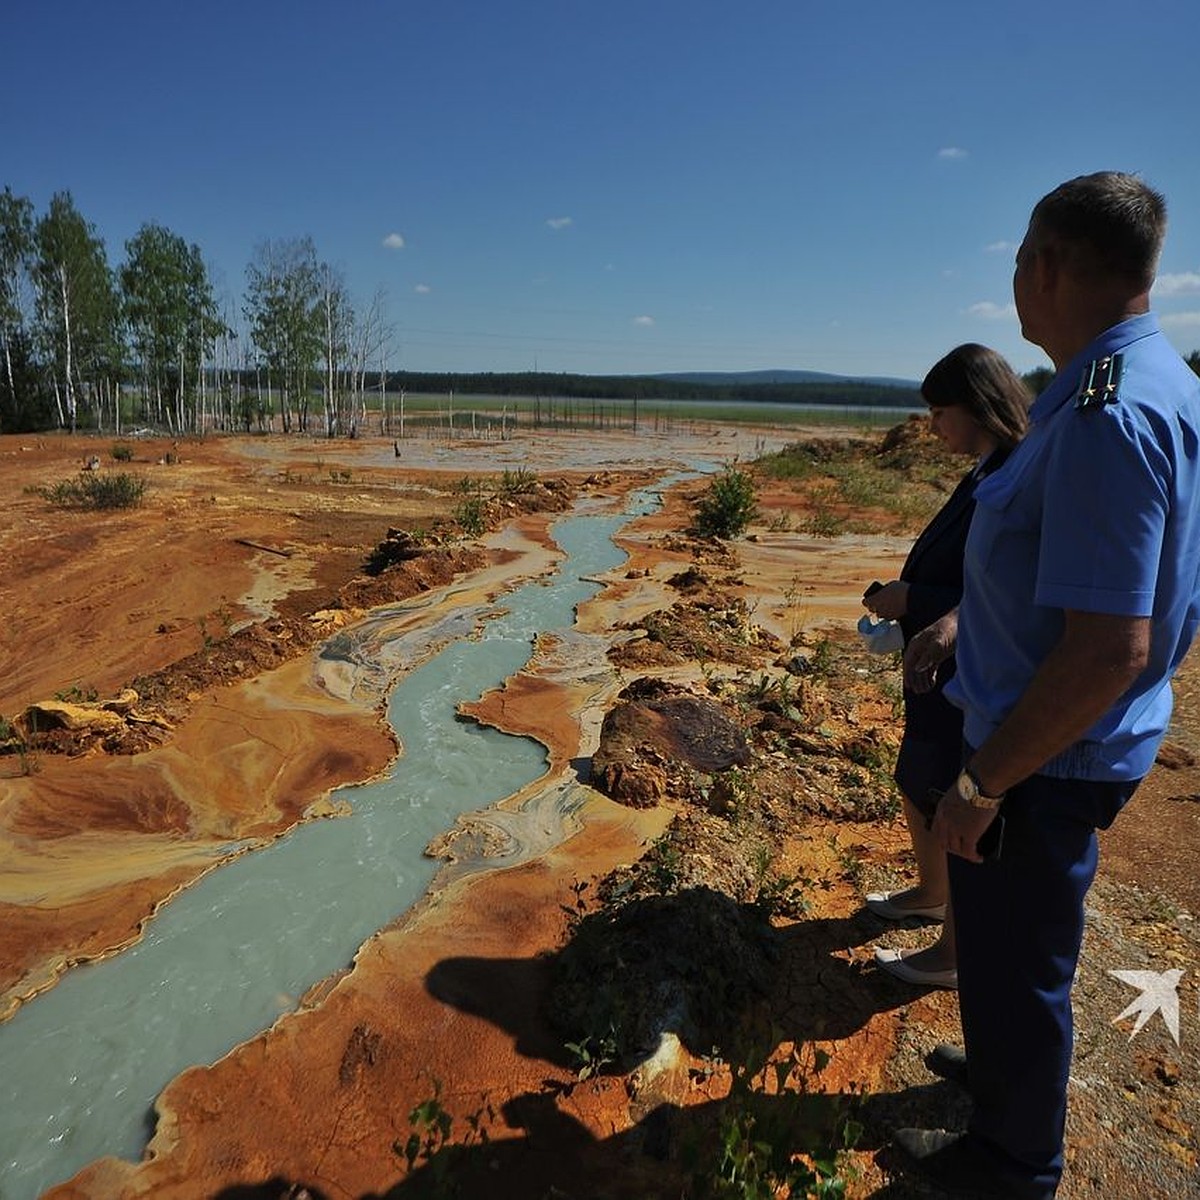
(81, 1065)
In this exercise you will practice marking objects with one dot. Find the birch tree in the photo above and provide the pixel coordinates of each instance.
(283, 309)
(172, 319)
(21, 396)
(337, 324)
(372, 336)
(76, 306)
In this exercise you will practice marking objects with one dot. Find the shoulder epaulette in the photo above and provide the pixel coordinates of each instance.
(1099, 382)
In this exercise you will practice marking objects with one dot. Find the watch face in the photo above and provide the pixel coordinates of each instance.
(967, 787)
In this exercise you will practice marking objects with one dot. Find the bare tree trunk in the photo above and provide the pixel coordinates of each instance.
(330, 353)
(180, 423)
(66, 315)
(385, 416)
(12, 387)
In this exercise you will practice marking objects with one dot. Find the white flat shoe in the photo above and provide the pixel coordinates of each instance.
(895, 962)
(882, 905)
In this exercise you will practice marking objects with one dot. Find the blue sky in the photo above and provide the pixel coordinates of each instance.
(614, 186)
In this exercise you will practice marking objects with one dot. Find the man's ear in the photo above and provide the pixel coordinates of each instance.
(1047, 265)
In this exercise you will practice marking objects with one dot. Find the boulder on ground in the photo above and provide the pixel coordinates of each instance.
(658, 738)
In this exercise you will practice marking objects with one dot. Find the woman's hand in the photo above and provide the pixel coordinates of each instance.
(927, 650)
(889, 602)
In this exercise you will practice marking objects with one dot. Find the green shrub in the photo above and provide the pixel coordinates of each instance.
(122, 452)
(471, 516)
(823, 522)
(515, 483)
(727, 506)
(91, 490)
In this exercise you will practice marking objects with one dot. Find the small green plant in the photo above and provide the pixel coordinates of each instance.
(893, 692)
(340, 476)
(823, 659)
(428, 1144)
(77, 695)
(728, 505)
(823, 522)
(12, 741)
(783, 896)
(224, 624)
(515, 483)
(122, 452)
(471, 516)
(95, 491)
(593, 1054)
(778, 1132)
(850, 859)
(665, 864)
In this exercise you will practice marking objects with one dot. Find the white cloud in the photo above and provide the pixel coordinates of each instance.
(394, 241)
(1000, 247)
(992, 312)
(1183, 320)
(952, 152)
(1186, 283)
(557, 223)
(422, 289)
(644, 321)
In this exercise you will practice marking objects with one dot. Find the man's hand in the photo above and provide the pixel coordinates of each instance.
(927, 650)
(890, 601)
(958, 826)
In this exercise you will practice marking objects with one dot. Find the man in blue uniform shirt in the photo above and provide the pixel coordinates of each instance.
(1082, 584)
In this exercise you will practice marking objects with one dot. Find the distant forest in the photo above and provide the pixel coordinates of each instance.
(849, 393)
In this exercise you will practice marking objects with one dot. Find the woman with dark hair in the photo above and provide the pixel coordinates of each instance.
(977, 406)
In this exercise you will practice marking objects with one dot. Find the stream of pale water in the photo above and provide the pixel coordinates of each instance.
(81, 1065)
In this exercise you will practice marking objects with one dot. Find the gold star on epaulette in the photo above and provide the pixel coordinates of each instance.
(1099, 382)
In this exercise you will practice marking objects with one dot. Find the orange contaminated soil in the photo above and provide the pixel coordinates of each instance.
(259, 539)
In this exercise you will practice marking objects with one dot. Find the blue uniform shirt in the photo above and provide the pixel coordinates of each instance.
(1097, 510)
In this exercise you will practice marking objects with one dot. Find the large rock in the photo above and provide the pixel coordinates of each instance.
(658, 738)
(58, 714)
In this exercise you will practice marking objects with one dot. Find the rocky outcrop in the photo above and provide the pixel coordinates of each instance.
(661, 740)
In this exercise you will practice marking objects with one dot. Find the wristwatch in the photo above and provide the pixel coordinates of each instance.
(967, 786)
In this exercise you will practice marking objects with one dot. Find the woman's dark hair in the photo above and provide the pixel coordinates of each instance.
(978, 379)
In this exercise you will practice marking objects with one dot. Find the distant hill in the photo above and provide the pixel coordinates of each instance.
(755, 378)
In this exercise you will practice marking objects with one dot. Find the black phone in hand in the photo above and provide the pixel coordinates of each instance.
(991, 843)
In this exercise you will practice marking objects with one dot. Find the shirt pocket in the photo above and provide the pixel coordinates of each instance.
(1003, 544)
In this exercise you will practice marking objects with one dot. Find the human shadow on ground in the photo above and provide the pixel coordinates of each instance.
(696, 964)
(674, 1152)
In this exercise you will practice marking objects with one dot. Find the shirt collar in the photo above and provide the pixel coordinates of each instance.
(1066, 383)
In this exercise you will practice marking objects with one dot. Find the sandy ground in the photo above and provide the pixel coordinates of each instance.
(240, 531)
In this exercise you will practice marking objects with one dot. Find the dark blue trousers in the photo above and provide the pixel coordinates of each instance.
(1019, 923)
